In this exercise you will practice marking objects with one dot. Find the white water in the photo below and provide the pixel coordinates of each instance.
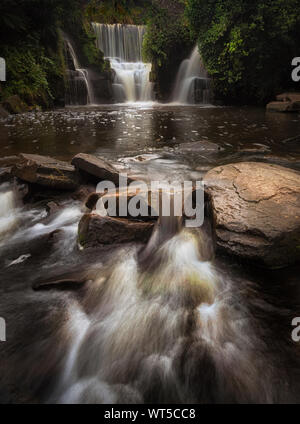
(122, 45)
(76, 79)
(192, 83)
(8, 216)
(170, 332)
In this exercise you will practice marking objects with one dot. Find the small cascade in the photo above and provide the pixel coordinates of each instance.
(8, 218)
(192, 84)
(78, 90)
(122, 46)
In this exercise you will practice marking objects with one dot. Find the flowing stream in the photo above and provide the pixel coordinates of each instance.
(175, 327)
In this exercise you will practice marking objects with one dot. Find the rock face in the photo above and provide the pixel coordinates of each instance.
(3, 113)
(15, 105)
(286, 102)
(96, 167)
(95, 230)
(47, 172)
(256, 212)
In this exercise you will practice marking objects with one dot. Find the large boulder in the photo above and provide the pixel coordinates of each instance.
(47, 172)
(256, 212)
(96, 168)
(95, 230)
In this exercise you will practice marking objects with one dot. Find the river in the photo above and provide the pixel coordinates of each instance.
(187, 328)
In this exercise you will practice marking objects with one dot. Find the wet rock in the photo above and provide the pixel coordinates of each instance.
(5, 175)
(7, 161)
(14, 104)
(52, 207)
(284, 107)
(96, 168)
(3, 113)
(286, 102)
(256, 212)
(47, 172)
(124, 197)
(83, 192)
(199, 146)
(288, 97)
(95, 230)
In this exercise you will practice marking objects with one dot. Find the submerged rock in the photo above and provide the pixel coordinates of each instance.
(95, 230)
(96, 168)
(47, 172)
(256, 212)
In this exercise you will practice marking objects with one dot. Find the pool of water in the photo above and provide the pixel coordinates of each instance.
(126, 131)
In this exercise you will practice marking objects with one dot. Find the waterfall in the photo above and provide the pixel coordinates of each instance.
(122, 46)
(192, 83)
(78, 90)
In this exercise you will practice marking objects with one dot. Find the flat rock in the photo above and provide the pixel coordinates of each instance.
(47, 172)
(284, 107)
(95, 230)
(288, 97)
(256, 212)
(7, 161)
(96, 167)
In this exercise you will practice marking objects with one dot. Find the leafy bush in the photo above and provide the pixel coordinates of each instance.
(247, 46)
(167, 42)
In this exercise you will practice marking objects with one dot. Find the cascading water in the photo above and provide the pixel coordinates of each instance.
(122, 46)
(192, 83)
(78, 90)
(174, 331)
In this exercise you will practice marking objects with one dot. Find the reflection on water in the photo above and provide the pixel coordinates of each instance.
(125, 130)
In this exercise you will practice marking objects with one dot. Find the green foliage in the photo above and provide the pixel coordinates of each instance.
(31, 43)
(118, 11)
(167, 42)
(247, 46)
(27, 72)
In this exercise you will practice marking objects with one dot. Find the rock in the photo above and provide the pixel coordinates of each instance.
(52, 208)
(47, 172)
(284, 107)
(14, 104)
(5, 175)
(95, 230)
(95, 167)
(288, 97)
(7, 161)
(3, 113)
(256, 212)
(120, 198)
(199, 146)
(286, 102)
